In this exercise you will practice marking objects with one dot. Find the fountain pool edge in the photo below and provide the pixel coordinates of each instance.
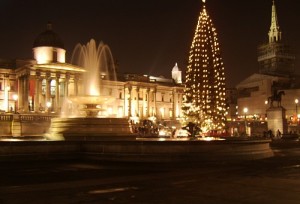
(137, 151)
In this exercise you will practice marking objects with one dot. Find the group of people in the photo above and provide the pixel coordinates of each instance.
(269, 134)
(145, 128)
(149, 128)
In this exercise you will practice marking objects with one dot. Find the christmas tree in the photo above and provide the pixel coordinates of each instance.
(204, 95)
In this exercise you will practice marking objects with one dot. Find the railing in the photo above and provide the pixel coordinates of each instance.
(4, 117)
(30, 117)
(25, 117)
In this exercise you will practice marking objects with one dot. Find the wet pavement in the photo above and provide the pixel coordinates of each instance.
(273, 180)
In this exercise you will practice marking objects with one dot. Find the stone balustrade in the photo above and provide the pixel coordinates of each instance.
(24, 124)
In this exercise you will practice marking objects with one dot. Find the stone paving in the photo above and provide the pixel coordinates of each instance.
(273, 180)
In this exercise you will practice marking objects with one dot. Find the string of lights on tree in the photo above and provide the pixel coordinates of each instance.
(204, 95)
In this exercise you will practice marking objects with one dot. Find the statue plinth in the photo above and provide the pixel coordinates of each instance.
(277, 120)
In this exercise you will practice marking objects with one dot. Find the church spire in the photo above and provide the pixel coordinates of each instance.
(274, 33)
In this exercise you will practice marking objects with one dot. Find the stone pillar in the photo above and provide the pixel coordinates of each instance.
(277, 120)
(26, 93)
(37, 92)
(129, 101)
(124, 109)
(76, 80)
(154, 104)
(137, 101)
(7, 90)
(19, 93)
(148, 102)
(174, 102)
(48, 87)
(67, 85)
(57, 94)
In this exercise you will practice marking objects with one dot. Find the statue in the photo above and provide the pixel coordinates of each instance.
(276, 97)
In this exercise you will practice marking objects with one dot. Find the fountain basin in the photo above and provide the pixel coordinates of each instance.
(139, 151)
(91, 99)
(90, 128)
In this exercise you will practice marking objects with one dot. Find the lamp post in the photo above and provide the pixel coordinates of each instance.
(15, 97)
(245, 110)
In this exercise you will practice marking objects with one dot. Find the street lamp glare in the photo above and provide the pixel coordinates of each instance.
(15, 97)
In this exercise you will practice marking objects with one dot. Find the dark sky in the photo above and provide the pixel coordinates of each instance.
(150, 36)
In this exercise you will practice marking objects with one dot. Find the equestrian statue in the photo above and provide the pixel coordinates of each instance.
(276, 97)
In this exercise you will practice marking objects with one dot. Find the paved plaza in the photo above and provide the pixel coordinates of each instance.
(273, 180)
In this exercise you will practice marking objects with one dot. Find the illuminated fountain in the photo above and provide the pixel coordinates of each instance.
(84, 116)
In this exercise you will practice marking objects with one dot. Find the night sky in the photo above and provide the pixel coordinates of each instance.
(150, 36)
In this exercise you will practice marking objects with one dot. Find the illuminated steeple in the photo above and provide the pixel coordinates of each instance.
(274, 33)
(275, 57)
(204, 95)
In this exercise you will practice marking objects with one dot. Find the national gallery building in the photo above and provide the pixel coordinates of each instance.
(41, 85)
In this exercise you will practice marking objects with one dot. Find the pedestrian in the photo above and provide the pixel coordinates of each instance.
(278, 134)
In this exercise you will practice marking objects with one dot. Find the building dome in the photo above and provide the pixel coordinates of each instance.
(48, 38)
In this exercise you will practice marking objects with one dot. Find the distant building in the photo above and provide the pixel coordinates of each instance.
(276, 72)
(276, 57)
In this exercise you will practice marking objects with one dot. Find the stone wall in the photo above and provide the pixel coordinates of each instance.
(24, 124)
(137, 151)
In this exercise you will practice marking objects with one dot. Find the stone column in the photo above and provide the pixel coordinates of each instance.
(48, 87)
(19, 92)
(154, 102)
(129, 101)
(174, 105)
(67, 85)
(137, 102)
(57, 94)
(148, 102)
(26, 93)
(7, 90)
(37, 92)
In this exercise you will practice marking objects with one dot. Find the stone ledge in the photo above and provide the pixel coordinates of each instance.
(138, 151)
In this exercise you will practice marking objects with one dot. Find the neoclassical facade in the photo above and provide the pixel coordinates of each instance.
(41, 85)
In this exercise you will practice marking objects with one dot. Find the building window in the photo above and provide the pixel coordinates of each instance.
(53, 86)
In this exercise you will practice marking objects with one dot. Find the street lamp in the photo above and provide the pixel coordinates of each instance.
(48, 104)
(15, 97)
(245, 113)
